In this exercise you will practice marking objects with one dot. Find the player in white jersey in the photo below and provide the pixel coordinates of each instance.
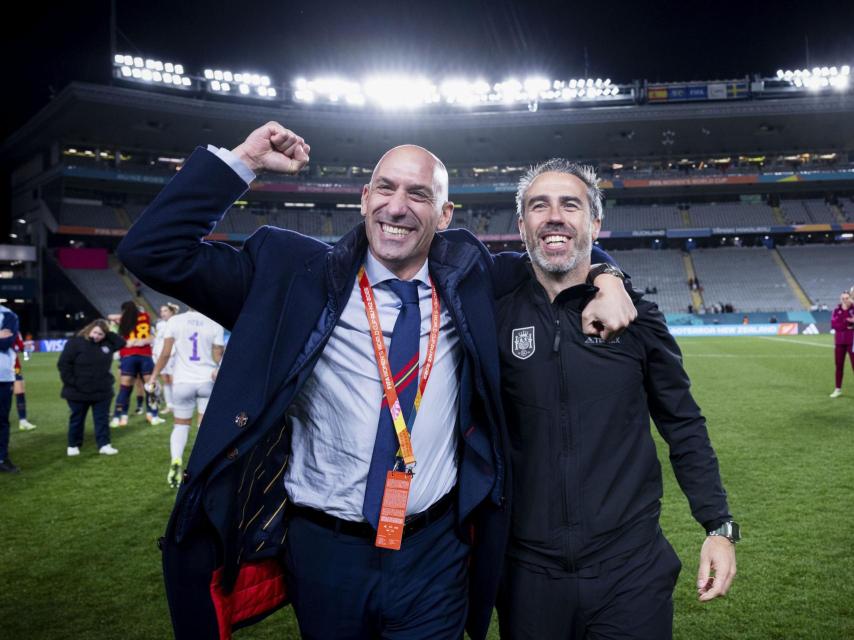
(166, 311)
(197, 343)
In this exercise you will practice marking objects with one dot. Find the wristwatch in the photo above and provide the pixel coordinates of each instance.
(604, 267)
(729, 530)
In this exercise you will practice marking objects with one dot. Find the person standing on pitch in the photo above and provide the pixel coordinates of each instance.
(87, 383)
(166, 311)
(587, 558)
(193, 344)
(8, 333)
(842, 323)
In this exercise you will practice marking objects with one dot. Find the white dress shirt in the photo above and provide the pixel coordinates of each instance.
(334, 418)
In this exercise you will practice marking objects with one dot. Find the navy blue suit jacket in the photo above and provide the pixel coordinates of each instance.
(281, 296)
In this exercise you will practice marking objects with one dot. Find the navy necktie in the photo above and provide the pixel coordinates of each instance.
(403, 361)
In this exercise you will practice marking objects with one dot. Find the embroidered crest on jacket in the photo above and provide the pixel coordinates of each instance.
(523, 345)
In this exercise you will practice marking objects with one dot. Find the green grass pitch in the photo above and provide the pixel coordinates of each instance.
(78, 535)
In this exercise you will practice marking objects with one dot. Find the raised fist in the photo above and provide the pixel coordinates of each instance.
(273, 148)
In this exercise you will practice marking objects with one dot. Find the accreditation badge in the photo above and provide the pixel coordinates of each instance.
(393, 510)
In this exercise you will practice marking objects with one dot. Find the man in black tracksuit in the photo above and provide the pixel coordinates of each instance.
(587, 558)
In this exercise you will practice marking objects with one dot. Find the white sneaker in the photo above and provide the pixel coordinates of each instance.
(123, 421)
(154, 420)
(73, 451)
(25, 425)
(836, 393)
(114, 422)
(108, 450)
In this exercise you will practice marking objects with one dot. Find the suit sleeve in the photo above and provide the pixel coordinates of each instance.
(167, 250)
(679, 421)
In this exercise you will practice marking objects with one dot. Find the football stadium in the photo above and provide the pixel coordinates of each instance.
(728, 203)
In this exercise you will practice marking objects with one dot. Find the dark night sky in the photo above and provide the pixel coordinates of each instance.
(665, 40)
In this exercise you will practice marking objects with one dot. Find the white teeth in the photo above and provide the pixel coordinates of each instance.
(554, 240)
(395, 231)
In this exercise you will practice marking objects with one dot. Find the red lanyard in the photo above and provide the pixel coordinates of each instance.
(386, 376)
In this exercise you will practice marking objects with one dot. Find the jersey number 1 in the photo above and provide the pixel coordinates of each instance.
(195, 340)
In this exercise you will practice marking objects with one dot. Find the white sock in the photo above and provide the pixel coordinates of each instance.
(178, 440)
(167, 394)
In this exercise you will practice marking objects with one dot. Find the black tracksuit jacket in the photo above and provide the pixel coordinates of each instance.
(586, 477)
(84, 367)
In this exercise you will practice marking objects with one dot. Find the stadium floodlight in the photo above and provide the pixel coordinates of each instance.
(151, 71)
(395, 91)
(246, 84)
(329, 89)
(390, 92)
(817, 78)
(463, 92)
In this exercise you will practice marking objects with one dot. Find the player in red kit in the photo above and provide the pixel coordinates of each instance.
(136, 360)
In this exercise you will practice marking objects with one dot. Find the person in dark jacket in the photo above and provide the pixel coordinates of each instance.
(84, 367)
(587, 558)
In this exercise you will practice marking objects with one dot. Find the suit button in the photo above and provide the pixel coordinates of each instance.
(185, 477)
(241, 419)
(232, 453)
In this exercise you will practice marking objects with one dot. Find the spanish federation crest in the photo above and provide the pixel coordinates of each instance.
(523, 346)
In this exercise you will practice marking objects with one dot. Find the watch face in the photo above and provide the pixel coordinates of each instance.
(735, 531)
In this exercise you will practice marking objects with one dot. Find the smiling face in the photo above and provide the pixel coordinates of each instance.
(96, 334)
(404, 205)
(556, 225)
(845, 300)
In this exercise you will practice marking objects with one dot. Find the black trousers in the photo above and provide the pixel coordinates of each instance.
(77, 421)
(626, 598)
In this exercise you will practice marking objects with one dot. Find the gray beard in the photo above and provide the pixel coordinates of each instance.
(558, 268)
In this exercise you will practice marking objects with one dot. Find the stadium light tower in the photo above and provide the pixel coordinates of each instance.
(245, 84)
(152, 72)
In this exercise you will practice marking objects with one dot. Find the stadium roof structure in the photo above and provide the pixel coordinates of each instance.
(128, 119)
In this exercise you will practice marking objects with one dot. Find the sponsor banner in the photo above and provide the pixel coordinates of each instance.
(648, 233)
(22, 252)
(697, 92)
(492, 187)
(113, 174)
(51, 345)
(706, 330)
(728, 231)
(306, 187)
(82, 258)
(811, 176)
(20, 288)
(689, 233)
(89, 231)
(628, 183)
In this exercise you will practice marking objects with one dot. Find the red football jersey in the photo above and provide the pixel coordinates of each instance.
(140, 332)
